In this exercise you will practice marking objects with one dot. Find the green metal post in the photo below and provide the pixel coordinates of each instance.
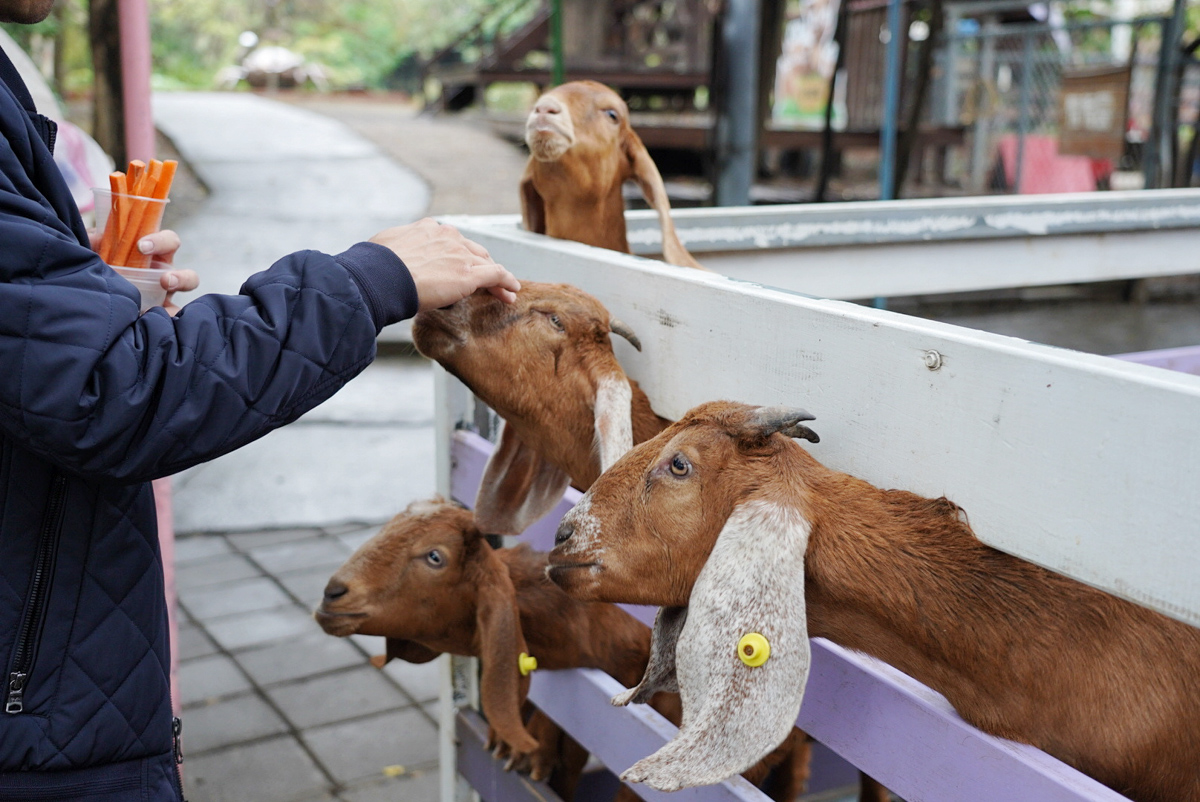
(556, 43)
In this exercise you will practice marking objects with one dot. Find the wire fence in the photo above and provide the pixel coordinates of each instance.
(1005, 86)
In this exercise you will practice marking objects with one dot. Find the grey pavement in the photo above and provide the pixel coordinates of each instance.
(283, 179)
(275, 710)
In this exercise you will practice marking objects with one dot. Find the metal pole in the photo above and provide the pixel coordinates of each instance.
(1023, 125)
(948, 96)
(737, 117)
(134, 26)
(982, 134)
(1161, 144)
(891, 104)
(557, 72)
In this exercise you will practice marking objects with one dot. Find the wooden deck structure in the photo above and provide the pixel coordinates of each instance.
(661, 57)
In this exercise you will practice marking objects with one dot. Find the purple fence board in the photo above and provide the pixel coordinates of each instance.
(487, 775)
(894, 728)
(578, 700)
(1182, 360)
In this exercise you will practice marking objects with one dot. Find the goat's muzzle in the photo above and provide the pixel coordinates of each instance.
(565, 530)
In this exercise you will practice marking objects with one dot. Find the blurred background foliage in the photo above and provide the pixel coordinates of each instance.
(360, 43)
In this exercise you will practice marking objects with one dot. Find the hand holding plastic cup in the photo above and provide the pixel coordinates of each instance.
(124, 220)
(129, 210)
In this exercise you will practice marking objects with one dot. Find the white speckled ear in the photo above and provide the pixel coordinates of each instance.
(518, 487)
(614, 419)
(660, 670)
(735, 714)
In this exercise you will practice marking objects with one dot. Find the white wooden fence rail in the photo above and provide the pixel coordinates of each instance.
(942, 245)
(1083, 464)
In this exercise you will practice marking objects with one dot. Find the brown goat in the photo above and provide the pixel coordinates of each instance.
(427, 583)
(733, 527)
(546, 365)
(582, 149)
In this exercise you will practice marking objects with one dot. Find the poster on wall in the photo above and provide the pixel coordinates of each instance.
(806, 66)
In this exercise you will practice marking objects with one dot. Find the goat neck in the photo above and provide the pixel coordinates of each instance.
(563, 632)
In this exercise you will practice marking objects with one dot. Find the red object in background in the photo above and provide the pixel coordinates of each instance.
(1043, 169)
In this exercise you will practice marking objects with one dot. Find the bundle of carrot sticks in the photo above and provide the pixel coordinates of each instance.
(137, 200)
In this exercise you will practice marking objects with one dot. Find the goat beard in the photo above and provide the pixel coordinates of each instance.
(547, 146)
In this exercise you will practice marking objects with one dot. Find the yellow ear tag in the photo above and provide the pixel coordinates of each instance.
(754, 649)
(526, 664)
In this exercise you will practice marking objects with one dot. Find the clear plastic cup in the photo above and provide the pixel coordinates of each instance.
(118, 243)
(148, 281)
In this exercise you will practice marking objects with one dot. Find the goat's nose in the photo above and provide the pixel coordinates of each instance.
(335, 590)
(565, 530)
(547, 106)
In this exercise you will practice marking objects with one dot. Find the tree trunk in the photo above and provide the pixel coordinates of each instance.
(908, 138)
(108, 99)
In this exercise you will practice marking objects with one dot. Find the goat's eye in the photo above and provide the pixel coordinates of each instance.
(612, 115)
(555, 322)
(435, 558)
(679, 465)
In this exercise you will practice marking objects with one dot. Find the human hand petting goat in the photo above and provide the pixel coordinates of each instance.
(446, 266)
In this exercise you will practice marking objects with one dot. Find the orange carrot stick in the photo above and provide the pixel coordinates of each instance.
(164, 180)
(141, 217)
(156, 184)
(112, 228)
(137, 168)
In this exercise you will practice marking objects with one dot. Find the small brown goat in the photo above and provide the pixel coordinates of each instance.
(430, 583)
(546, 365)
(735, 528)
(582, 149)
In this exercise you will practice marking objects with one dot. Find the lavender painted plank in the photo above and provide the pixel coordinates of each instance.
(470, 453)
(894, 728)
(1183, 360)
(486, 774)
(908, 737)
(578, 700)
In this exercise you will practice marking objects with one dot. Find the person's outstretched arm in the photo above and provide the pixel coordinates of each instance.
(105, 392)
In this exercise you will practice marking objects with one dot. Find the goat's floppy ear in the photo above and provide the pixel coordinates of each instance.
(735, 713)
(650, 181)
(533, 206)
(502, 689)
(519, 486)
(614, 418)
(407, 650)
(660, 669)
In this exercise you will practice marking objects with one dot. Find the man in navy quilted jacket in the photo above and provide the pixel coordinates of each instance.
(97, 400)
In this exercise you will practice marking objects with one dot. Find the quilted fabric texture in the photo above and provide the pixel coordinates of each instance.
(94, 392)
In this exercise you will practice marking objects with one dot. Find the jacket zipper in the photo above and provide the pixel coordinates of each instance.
(30, 631)
(177, 743)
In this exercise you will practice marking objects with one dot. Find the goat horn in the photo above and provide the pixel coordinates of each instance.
(622, 329)
(786, 420)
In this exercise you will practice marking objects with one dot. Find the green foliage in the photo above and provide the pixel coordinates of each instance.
(359, 42)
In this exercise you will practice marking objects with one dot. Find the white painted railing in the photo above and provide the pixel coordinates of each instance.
(1080, 463)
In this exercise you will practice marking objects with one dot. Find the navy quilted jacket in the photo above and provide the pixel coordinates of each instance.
(95, 401)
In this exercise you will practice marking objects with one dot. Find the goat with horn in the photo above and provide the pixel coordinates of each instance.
(736, 531)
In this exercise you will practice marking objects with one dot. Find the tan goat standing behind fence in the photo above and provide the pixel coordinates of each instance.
(582, 150)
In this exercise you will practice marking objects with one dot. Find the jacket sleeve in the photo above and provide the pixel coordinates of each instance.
(106, 393)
